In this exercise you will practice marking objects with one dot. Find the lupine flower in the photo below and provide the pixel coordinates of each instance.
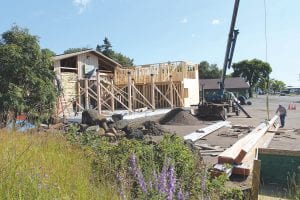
(171, 182)
(180, 195)
(155, 180)
(163, 180)
(138, 174)
(120, 189)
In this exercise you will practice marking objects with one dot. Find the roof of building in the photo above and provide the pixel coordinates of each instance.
(230, 83)
(68, 55)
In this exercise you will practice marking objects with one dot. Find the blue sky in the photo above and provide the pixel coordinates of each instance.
(164, 30)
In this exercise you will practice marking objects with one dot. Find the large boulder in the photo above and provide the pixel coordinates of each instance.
(117, 117)
(92, 128)
(120, 125)
(92, 117)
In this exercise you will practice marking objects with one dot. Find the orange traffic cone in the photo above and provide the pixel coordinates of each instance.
(294, 106)
(289, 107)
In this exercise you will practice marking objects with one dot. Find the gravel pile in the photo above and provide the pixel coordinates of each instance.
(179, 116)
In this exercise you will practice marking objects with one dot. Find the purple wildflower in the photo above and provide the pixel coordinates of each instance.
(120, 189)
(163, 179)
(180, 195)
(138, 174)
(171, 182)
(155, 180)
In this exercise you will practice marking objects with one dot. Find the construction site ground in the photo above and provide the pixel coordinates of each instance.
(221, 139)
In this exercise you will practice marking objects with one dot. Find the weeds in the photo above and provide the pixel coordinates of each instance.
(40, 166)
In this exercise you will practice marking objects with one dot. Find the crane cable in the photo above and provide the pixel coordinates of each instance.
(266, 59)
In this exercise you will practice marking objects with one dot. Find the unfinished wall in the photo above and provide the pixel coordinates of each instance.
(191, 96)
(85, 60)
(69, 85)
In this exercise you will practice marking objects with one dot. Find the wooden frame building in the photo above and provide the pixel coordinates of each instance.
(93, 80)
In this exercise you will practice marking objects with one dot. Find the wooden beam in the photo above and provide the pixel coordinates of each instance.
(278, 152)
(234, 154)
(152, 92)
(86, 90)
(98, 92)
(171, 91)
(179, 96)
(78, 95)
(112, 102)
(200, 133)
(134, 98)
(255, 179)
(158, 90)
(254, 139)
(114, 97)
(69, 68)
(129, 92)
(145, 99)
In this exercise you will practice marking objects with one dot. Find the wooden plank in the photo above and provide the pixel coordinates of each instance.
(253, 140)
(255, 179)
(200, 133)
(247, 166)
(278, 152)
(234, 154)
(152, 92)
(129, 92)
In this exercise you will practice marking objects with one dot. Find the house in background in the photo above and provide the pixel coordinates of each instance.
(237, 85)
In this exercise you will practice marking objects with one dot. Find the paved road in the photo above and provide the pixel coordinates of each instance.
(258, 111)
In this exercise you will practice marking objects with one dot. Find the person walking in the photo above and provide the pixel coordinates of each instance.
(282, 115)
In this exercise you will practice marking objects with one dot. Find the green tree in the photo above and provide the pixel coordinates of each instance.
(74, 50)
(106, 49)
(253, 71)
(276, 85)
(26, 81)
(209, 71)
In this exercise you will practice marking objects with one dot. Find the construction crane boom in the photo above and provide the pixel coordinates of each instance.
(232, 36)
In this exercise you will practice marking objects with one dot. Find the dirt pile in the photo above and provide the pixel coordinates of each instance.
(179, 116)
(153, 128)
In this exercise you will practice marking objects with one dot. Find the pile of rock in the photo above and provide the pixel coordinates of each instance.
(93, 122)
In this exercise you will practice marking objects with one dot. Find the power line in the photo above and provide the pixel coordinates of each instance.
(266, 45)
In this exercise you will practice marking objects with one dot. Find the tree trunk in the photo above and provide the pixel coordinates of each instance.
(250, 92)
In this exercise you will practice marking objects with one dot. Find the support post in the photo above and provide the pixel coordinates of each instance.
(129, 92)
(112, 102)
(133, 95)
(98, 92)
(255, 179)
(152, 92)
(78, 95)
(171, 91)
(86, 93)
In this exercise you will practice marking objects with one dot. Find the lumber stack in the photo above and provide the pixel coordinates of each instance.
(200, 133)
(242, 154)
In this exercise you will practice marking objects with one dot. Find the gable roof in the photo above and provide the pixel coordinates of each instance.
(230, 83)
(68, 55)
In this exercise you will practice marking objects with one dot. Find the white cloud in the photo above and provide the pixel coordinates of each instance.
(81, 5)
(184, 20)
(215, 22)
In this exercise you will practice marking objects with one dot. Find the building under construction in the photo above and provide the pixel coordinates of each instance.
(94, 81)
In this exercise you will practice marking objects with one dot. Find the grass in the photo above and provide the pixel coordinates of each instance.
(46, 166)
